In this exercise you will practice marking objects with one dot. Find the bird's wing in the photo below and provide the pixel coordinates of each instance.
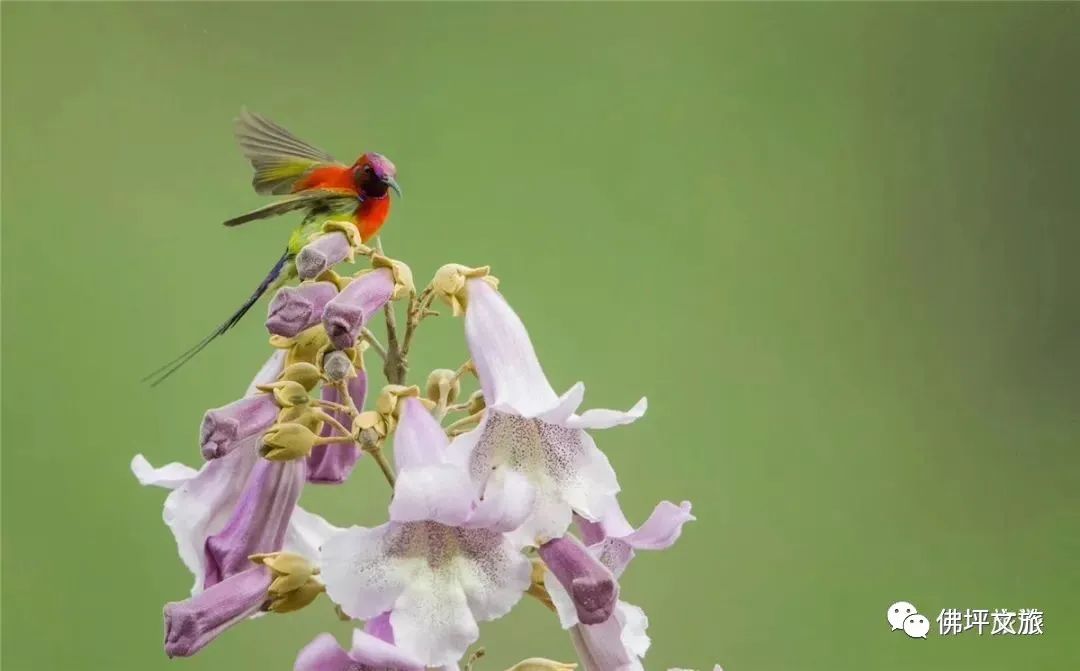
(319, 201)
(280, 159)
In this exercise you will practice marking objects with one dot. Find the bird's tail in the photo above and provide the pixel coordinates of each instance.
(277, 272)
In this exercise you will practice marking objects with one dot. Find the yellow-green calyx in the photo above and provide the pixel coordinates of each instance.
(450, 280)
(304, 347)
(288, 394)
(294, 585)
(443, 385)
(305, 374)
(285, 442)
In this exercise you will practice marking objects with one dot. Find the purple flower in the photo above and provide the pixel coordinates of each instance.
(619, 642)
(235, 505)
(345, 316)
(443, 562)
(332, 464)
(589, 583)
(322, 254)
(192, 624)
(528, 430)
(295, 309)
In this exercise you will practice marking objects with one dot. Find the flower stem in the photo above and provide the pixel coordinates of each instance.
(379, 348)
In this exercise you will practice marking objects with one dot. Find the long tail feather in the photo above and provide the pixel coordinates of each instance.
(162, 373)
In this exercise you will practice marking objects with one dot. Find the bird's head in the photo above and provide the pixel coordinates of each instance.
(375, 175)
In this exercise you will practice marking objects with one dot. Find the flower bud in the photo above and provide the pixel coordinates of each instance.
(541, 664)
(287, 394)
(304, 347)
(285, 442)
(403, 279)
(303, 373)
(338, 366)
(294, 309)
(441, 376)
(449, 284)
(321, 254)
(290, 570)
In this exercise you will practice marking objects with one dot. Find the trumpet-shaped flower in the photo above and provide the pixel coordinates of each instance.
(235, 506)
(530, 431)
(619, 642)
(443, 562)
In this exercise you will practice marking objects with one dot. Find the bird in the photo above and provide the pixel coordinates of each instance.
(310, 181)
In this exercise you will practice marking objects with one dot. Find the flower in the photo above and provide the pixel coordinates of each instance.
(530, 431)
(344, 317)
(322, 254)
(235, 505)
(617, 643)
(443, 562)
(294, 309)
(589, 583)
(192, 624)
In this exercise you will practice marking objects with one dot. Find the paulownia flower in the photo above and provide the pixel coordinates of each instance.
(443, 562)
(529, 431)
(619, 642)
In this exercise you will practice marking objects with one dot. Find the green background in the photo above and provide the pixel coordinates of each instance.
(834, 244)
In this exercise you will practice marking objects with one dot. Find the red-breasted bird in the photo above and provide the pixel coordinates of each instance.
(314, 183)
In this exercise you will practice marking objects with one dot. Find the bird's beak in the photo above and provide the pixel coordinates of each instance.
(392, 183)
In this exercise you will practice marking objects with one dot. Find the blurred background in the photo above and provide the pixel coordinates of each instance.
(834, 244)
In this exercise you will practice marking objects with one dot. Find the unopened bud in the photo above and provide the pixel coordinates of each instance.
(287, 394)
(541, 664)
(440, 377)
(304, 347)
(285, 442)
(297, 598)
(450, 280)
(302, 372)
(337, 366)
(403, 279)
(290, 570)
(387, 401)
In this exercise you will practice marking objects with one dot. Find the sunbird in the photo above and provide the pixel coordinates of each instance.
(314, 183)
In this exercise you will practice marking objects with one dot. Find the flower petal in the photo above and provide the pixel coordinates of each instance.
(505, 360)
(432, 620)
(190, 625)
(437, 492)
(379, 627)
(494, 573)
(378, 654)
(323, 654)
(507, 501)
(605, 419)
(258, 522)
(169, 476)
(418, 439)
(357, 570)
(616, 644)
(306, 534)
(201, 506)
(663, 527)
(268, 373)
